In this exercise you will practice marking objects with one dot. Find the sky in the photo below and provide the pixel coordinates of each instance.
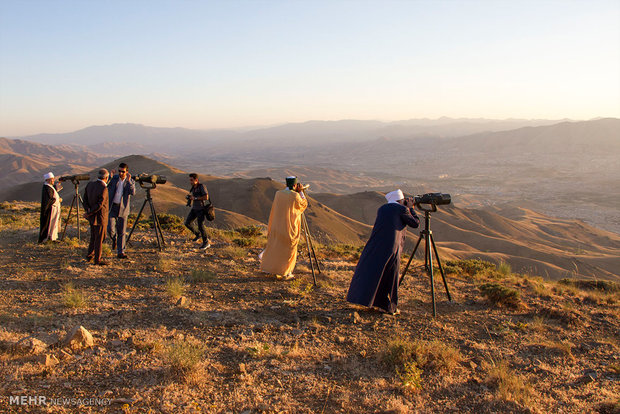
(67, 65)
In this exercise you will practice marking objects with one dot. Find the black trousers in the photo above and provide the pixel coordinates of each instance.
(193, 215)
(97, 234)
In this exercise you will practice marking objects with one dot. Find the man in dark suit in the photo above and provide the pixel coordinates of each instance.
(96, 205)
(120, 189)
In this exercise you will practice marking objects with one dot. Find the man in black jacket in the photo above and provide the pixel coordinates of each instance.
(197, 196)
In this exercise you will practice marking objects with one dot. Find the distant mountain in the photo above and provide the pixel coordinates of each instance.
(182, 141)
(22, 161)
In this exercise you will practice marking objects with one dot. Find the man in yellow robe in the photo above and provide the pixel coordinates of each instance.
(284, 230)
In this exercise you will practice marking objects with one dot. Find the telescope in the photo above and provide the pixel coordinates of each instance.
(437, 199)
(74, 178)
(150, 180)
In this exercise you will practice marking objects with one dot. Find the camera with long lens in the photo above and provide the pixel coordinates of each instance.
(149, 180)
(75, 178)
(189, 200)
(437, 199)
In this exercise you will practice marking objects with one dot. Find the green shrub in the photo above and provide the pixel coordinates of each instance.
(250, 231)
(501, 295)
(504, 268)
(243, 242)
(72, 297)
(411, 376)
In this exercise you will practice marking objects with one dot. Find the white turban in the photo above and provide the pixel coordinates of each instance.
(48, 175)
(394, 196)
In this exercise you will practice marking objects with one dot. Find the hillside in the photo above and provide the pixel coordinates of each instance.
(191, 331)
(24, 161)
(529, 241)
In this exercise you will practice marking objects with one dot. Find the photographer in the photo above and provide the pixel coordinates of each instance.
(284, 230)
(375, 281)
(120, 189)
(196, 198)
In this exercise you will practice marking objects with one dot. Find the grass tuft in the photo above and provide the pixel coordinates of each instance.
(183, 356)
(175, 287)
(72, 297)
(509, 386)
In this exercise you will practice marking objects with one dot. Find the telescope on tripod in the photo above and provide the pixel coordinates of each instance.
(148, 183)
(309, 243)
(432, 200)
(75, 202)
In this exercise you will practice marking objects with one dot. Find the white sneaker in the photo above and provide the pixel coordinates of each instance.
(205, 246)
(289, 276)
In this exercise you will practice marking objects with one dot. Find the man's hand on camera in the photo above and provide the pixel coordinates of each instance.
(298, 187)
(128, 175)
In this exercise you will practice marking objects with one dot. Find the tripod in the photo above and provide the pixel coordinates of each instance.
(77, 199)
(310, 244)
(157, 226)
(427, 235)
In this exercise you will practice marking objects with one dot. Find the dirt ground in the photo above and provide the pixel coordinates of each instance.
(189, 331)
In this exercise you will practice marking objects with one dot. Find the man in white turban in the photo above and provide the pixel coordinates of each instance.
(375, 281)
(50, 210)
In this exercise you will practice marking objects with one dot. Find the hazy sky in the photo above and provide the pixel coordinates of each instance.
(65, 65)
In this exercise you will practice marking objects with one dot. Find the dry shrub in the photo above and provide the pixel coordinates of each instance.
(184, 355)
(504, 268)
(501, 295)
(175, 287)
(163, 264)
(538, 324)
(72, 297)
(564, 348)
(233, 252)
(200, 275)
(509, 386)
(434, 355)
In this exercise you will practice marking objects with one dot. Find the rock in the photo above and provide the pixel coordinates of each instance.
(30, 345)
(49, 360)
(242, 369)
(116, 343)
(356, 317)
(182, 301)
(79, 337)
(340, 339)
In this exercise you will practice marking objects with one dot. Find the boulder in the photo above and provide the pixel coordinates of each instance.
(78, 337)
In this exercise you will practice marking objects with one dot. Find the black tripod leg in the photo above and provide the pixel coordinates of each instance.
(77, 212)
(429, 268)
(318, 265)
(445, 283)
(154, 218)
(62, 237)
(305, 227)
(158, 226)
(410, 259)
(135, 223)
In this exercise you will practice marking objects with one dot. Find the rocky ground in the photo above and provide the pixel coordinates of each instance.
(188, 331)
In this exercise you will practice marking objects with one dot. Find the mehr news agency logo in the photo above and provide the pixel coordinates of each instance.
(42, 400)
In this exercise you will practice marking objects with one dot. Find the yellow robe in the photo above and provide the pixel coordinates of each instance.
(283, 232)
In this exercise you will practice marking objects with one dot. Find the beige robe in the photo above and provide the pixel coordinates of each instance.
(55, 216)
(283, 232)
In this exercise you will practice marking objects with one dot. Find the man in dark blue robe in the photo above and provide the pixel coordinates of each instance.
(375, 281)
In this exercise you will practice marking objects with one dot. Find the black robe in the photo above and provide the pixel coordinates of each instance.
(47, 201)
(375, 281)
